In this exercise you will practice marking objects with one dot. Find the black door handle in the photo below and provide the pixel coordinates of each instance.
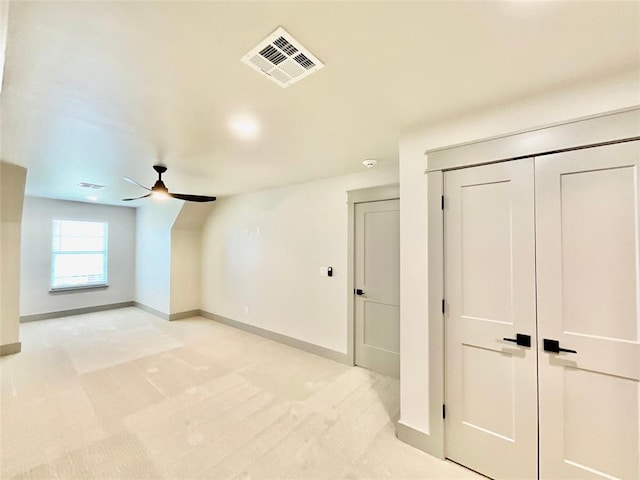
(554, 346)
(522, 340)
(358, 291)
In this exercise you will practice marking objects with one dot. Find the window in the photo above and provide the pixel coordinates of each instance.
(78, 254)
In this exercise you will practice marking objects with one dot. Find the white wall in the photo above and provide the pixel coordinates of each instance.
(153, 253)
(12, 183)
(186, 256)
(4, 24)
(264, 251)
(186, 270)
(574, 102)
(39, 213)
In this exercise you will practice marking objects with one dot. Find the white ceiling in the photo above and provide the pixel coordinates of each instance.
(97, 90)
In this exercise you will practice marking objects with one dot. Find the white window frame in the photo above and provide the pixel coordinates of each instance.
(56, 249)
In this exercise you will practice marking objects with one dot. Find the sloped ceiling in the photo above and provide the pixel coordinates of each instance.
(97, 90)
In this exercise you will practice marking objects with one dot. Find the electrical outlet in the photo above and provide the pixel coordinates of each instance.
(246, 310)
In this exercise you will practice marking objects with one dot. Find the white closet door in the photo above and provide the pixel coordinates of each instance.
(588, 300)
(491, 383)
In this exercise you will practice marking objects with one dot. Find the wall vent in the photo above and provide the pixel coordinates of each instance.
(92, 186)
(282, 59)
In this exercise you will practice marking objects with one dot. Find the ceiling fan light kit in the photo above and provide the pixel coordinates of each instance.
(160, 191)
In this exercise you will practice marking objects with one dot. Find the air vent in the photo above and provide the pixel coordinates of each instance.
(282, 59)
(92, 186)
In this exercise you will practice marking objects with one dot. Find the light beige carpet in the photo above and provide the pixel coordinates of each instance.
(123, 394)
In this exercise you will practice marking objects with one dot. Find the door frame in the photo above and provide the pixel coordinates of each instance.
(596, 130)
(361, 195)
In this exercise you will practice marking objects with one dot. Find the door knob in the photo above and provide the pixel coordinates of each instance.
(554, 346)
(522, 340)
(358, 291)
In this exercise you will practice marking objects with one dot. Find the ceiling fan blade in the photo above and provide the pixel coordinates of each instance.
(192, 198)
(137, 198)
(131, 180)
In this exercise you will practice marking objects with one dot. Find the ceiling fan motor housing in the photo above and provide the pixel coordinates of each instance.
(159, 186)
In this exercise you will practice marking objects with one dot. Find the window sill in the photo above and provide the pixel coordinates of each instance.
(78, 287)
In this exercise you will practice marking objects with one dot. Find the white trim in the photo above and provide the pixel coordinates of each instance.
(606, 127)
(374, 194)
(186, 314)
(435, 265)
(152, 311)
(10, 349)
(417, 438)
(75, 311)
(79, 287)
(280, 338)
(351, 304)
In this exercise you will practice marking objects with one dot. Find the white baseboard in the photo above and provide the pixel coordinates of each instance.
(10, 349)
(151, 310)
(278, 337)
(187, 314)
(75, 311)
(420, 440)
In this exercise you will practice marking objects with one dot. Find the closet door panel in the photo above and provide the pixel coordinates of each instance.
(588, 284)
(491, 422)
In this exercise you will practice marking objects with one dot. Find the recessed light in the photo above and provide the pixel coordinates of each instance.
(92, 198)
(245, 127)
(370, 162)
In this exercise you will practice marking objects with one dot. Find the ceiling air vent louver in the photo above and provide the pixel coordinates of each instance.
(282, 59)
(92, 186)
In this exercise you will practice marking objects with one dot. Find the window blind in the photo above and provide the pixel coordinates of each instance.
(78, 254)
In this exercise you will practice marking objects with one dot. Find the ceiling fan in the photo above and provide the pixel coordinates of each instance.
(160, 190)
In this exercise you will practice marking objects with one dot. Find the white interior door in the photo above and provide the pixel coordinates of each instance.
(491, 383)
(588, 300)
(377, 280)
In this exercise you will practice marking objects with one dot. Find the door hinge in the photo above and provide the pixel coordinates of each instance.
(443, 305)
(444, 411)
(442, 202)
